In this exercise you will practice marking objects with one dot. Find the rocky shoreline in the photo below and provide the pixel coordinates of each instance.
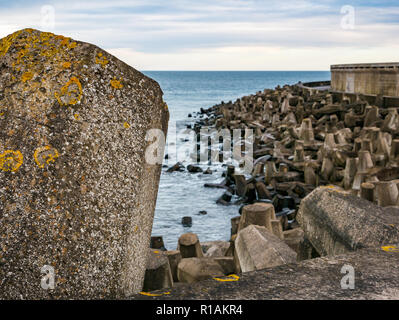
(303, 139)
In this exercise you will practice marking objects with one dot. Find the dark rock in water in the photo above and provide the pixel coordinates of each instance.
(187, 221)
(189, 115)
(208, 171)
(193, 169)
(225, 198)
(157, 243)
(216, 185)
(202, 212)
(177, 167)
(166, 156)
(77, 194)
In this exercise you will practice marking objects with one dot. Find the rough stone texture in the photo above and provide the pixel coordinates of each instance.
(75, 190)
(192, 270)
(336, 222)
(158, 273)
(376, 277)
(215, 248)
(258, 214)
(294, 239)
(227, 264)
(257, 248)
(174, 257)
(366, 78)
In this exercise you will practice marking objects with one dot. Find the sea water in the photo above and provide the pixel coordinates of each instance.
(182, 193)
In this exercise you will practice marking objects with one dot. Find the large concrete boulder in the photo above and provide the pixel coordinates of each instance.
(77, 195)
(257, 248)
(335, 222)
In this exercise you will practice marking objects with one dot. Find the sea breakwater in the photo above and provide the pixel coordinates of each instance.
(303, 139)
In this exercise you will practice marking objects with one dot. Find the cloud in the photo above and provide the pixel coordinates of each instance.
(179, 32)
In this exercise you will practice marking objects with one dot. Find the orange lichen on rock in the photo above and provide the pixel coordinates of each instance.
(45, 155)
(27, 76)
(7, 42)
(66, 65)
(71, 93)
(101, 59)
(11, 160)
(116, 84)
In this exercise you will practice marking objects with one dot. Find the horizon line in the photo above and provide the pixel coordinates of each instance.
(236, 70)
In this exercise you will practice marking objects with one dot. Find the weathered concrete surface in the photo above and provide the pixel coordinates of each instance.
(158, 273)
(257, 248)
(215, 248)
(376, 277)
(366, 78)
(189, 246)
(192, 270)
(75, 190)
(335, 222)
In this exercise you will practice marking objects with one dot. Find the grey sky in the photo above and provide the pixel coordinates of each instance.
(220, 35)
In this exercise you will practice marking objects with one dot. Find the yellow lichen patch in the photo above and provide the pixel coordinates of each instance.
(229, 278)
(76, 116)
(101, 59)
(64, 40)
(116, 84)
(72, 45)
(165, 106)
(45, 155)
(11, 160)
(27, 76)
(126, 125)
(71, 93)
(6, 42)
(390, 248)
(66, 65)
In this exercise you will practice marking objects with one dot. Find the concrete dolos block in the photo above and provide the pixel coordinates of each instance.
(158, 274)
(257, 248)
(335, 221)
